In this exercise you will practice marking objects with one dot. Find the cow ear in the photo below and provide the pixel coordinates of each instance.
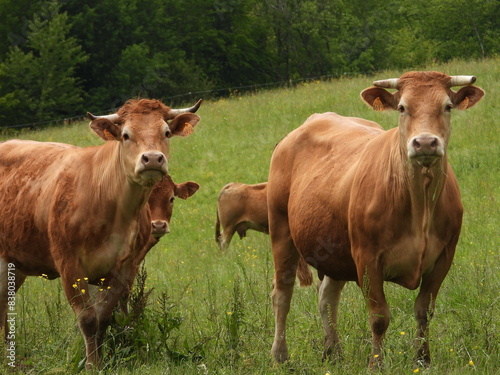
(106, 129)
(467, 96)
(379, 99)
(183, 124)
(186, 189)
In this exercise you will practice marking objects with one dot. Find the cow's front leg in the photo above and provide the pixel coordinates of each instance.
(371, 281)
(425, 303)
(77, 292)
(329, 298)
(115, 288)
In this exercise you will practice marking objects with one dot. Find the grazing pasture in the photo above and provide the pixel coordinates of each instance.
(210, 312)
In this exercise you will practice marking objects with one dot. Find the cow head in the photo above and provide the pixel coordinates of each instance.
(161, 203)
(424, 101)
(144, 128)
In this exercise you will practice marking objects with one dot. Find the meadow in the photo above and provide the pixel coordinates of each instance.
(200, 311)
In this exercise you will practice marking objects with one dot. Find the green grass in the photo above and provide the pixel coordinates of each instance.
(217, 307)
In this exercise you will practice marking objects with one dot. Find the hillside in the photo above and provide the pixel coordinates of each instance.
(217, 306)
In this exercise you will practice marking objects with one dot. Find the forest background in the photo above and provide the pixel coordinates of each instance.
(59, 59)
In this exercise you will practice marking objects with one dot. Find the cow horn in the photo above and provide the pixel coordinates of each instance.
(391, 83)
(462, 80)
(113, 118)
(174, 112)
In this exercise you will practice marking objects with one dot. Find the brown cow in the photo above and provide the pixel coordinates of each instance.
(241, 207)
(156, 223)
(76, 212)
(367, 205)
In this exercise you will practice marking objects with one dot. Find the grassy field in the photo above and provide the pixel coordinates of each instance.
(210, 313)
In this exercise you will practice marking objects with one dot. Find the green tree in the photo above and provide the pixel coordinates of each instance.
(38, 81)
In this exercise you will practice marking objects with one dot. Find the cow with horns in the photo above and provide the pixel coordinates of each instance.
(367, 205)
(75, 213)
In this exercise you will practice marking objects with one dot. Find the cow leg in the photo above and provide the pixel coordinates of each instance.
(372, 283)
(225, 237)
(78, 294)
(7, 289)
(425, 303)
(114, 290)
(286, 259)
(329, 298)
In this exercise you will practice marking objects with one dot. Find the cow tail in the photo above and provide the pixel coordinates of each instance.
(304, 273)
(217, 229)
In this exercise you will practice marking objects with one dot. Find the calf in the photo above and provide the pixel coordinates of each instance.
(160, 206)
(241, 207)
(75, 213)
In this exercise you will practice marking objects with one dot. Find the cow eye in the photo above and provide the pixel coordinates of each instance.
(168, 134)
(125, 136)
(448, 107)
(172, 200)
(401, 108)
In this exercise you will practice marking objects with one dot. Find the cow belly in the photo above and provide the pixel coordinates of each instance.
(327, 251)
(32, 260)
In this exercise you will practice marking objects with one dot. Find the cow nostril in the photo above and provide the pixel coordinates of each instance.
(434, 143)
(160, 159)
(416, 144)
(145, 159)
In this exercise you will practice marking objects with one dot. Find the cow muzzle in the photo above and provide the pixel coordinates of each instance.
(153, 160)
(159, 228)
(425, 148)
(151, 167)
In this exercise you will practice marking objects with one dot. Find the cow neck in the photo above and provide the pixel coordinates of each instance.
(113, 184)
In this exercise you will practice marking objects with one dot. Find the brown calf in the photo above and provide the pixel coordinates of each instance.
(160, 206)
(241, 207)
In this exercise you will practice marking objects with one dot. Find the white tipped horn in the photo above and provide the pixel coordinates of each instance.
(462, 80)
(391, 83)
(113, 118)
(193, 109)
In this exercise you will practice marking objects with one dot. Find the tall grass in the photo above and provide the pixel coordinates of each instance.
(210, 313)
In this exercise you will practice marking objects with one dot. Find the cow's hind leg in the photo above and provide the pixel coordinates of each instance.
(329, 298)
(286, 259)
(11, 280)
(225, 237)
(425, 303)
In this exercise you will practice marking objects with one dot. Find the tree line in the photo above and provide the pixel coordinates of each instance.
(62, 58)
